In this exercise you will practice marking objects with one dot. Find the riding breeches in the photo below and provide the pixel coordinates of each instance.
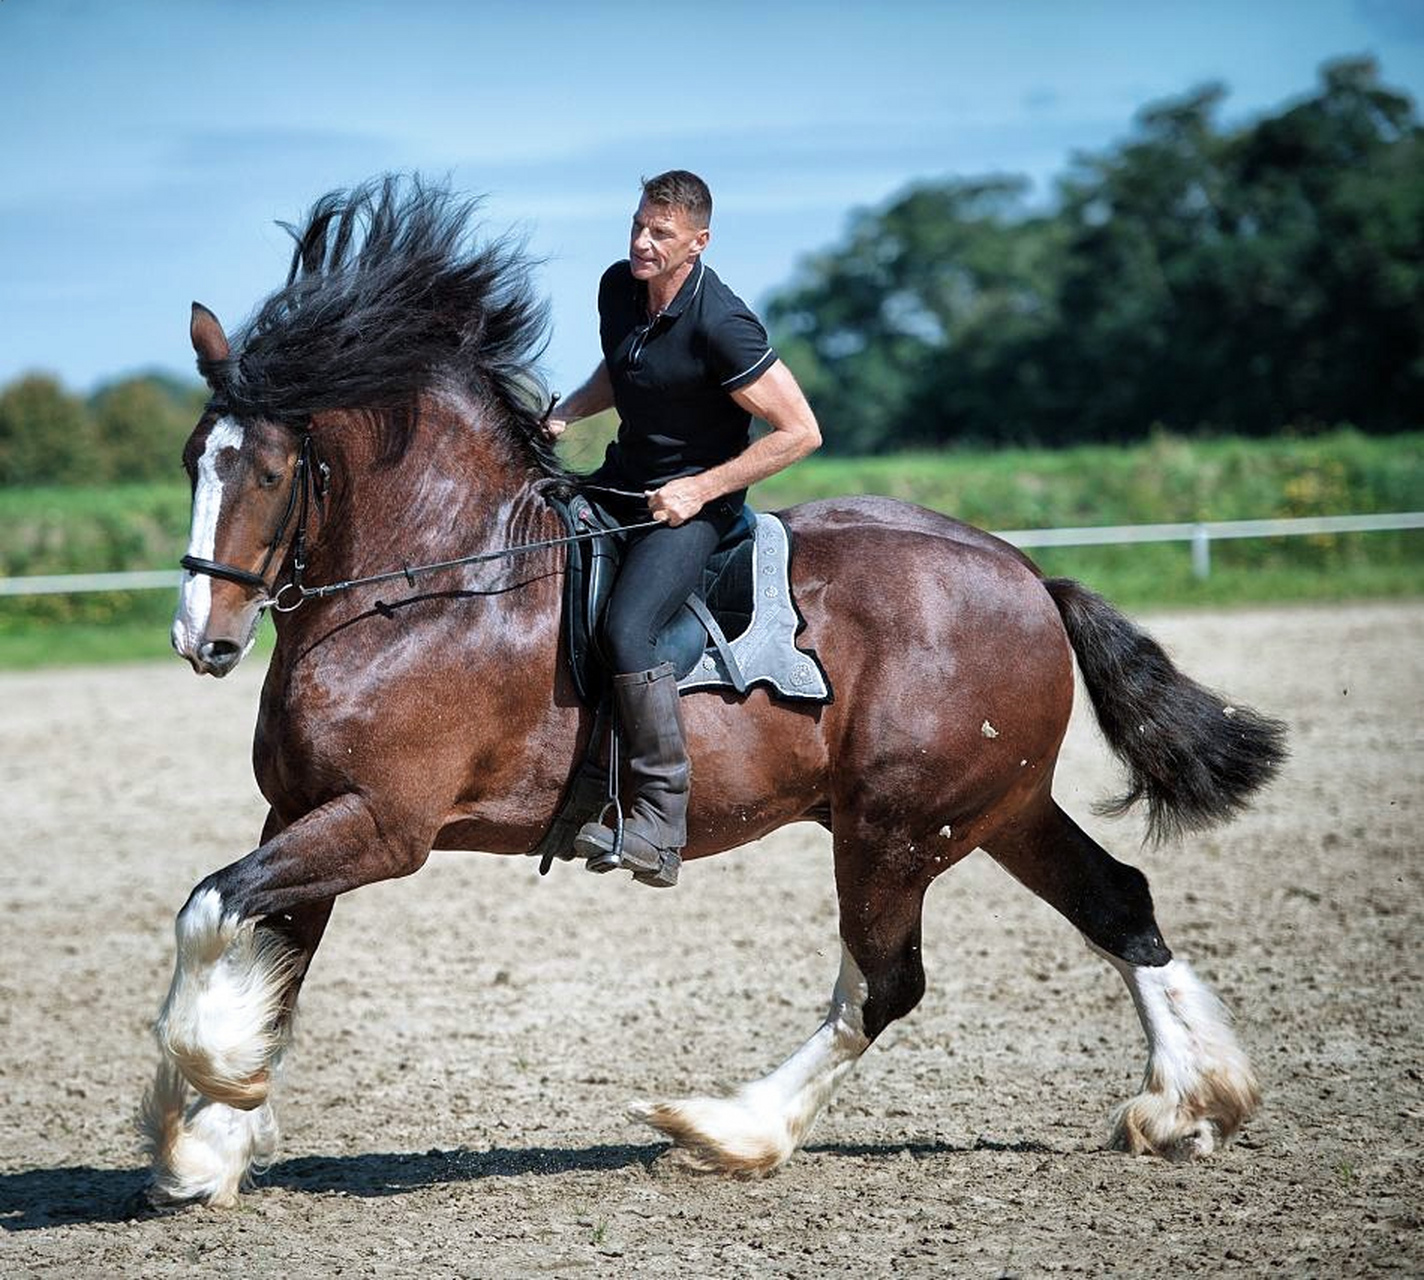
(661, 568)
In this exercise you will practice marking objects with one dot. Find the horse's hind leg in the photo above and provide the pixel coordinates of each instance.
(881, 978)
(1199, 1087)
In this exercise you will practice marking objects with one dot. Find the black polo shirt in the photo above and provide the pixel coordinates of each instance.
(673, 376)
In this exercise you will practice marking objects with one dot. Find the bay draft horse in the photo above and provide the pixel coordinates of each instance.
(379, 409)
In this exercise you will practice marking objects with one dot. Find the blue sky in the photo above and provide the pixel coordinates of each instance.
(148, 145)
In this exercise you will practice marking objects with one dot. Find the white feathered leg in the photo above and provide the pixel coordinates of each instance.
(207, 1121)
(201, 1150)
(758, 1128)
(1199, 1088)
(221, 1024)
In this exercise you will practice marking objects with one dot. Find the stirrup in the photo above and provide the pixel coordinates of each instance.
(600, 841)
(603, 851)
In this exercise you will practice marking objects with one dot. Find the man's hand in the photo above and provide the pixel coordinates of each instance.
(775, 398)
(677, 501)
(594, 396)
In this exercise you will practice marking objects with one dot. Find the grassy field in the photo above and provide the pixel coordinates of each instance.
(1167, 479)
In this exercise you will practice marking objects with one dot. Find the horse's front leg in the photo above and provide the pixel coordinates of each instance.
(245, 938)
(201, 1149)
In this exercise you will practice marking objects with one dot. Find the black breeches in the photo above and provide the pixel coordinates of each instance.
(660, 570)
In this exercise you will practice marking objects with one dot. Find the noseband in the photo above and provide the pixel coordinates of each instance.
(308, 481)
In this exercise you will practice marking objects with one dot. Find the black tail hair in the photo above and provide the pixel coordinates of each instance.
(1193, 755)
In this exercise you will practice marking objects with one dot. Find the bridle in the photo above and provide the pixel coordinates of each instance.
(310, 481)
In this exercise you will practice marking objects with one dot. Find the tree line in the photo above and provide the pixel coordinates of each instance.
(1194, 277)
(132, 429)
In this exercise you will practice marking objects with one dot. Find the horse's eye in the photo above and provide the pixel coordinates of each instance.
(269, 479)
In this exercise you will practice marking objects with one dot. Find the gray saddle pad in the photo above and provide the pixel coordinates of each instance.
(765, 653)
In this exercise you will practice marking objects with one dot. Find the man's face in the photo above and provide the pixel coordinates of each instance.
(663, 240)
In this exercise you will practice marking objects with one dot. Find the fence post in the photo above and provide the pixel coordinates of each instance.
(1201, 552)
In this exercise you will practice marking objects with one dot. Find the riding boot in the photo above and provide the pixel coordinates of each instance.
(655, 826)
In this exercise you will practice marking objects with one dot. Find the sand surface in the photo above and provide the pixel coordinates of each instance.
(469, 1037)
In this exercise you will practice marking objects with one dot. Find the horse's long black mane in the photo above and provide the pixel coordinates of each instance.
(389, 296)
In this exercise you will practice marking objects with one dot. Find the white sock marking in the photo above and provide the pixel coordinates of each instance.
(759, 1127)
(199, 1149)
(219, 1021)
(1199, 1086)
(1186, 1026)
(800, 1087)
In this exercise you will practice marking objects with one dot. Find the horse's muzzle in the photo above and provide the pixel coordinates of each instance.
(217, 657)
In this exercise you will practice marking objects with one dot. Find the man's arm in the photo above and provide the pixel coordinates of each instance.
(776, 398)
(594, 396)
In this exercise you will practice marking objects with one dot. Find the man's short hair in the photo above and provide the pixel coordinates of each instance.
(681, 190)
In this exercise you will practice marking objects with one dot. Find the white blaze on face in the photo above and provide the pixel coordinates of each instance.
(195, 596)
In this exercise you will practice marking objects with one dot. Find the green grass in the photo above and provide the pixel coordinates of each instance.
(140, 634)
(1159, 575)
(1169, 480)
(1165, 480)
(84, 530)
(81, 643)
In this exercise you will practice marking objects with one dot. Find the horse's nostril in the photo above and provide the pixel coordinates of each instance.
(220, 653)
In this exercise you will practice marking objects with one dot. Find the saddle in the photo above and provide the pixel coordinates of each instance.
(737, 630)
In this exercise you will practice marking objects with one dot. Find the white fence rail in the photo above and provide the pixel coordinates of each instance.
(56, 584)
(1200, 535)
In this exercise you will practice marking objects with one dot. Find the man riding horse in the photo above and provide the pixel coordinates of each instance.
(394, 365)
(686, 364)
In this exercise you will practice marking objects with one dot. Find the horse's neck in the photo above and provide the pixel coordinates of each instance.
(457, 488)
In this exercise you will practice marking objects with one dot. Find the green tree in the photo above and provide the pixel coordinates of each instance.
(45, 435)
(1249, 279)
(1192, 276)
(869, 327)
(141, 424)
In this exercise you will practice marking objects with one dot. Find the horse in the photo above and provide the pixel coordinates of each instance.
(381, 409)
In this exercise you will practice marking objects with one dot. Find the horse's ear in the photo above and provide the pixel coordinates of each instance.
(209, 340)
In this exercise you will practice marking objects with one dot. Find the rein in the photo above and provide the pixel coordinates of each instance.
(411, 572)
(310, 481)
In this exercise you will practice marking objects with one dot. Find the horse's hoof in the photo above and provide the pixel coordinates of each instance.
(717, 1135)
(149, 1202)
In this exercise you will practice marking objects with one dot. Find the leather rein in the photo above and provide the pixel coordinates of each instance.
(310, 481)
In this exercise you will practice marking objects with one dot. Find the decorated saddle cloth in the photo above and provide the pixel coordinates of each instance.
(737, 631)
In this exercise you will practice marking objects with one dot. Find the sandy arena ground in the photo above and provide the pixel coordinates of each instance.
(454, 1104)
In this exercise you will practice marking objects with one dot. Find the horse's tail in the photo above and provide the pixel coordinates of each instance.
(1191, 754)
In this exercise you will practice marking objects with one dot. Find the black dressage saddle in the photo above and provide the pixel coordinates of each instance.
(738, 629)
(717, 612)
